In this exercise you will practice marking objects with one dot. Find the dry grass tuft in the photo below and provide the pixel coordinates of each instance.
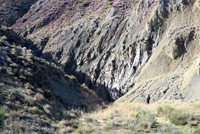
(141, 118)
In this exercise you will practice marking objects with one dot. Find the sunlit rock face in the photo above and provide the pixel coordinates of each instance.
(110, 45)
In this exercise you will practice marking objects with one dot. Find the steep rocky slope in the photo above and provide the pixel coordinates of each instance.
(138, 51)
(37, 94)
(12, 10)
(105, 50)
(147, 46)
(172, 72)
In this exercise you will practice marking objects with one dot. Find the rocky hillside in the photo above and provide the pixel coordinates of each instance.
(172, 72)
(12, 10)
(146, 46)
(37, 94)
(84, 37)
(53, 52)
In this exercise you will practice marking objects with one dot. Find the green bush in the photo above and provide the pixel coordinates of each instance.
(180, 118)
(71, 78)
(168, 129)
(176, 117)
(2, 114)
(108, 6)
(165, 110)
(16, 8)
(84, 131)
(145, 119)
(131, 126)
(109, 125)
(198, 130)
(110, 3)
(91, 17)
(4, 37)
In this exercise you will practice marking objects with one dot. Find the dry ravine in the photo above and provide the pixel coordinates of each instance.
(62, 61)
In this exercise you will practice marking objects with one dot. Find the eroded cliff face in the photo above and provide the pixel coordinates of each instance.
(107, 50)
(117, 46)
(172, 72)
